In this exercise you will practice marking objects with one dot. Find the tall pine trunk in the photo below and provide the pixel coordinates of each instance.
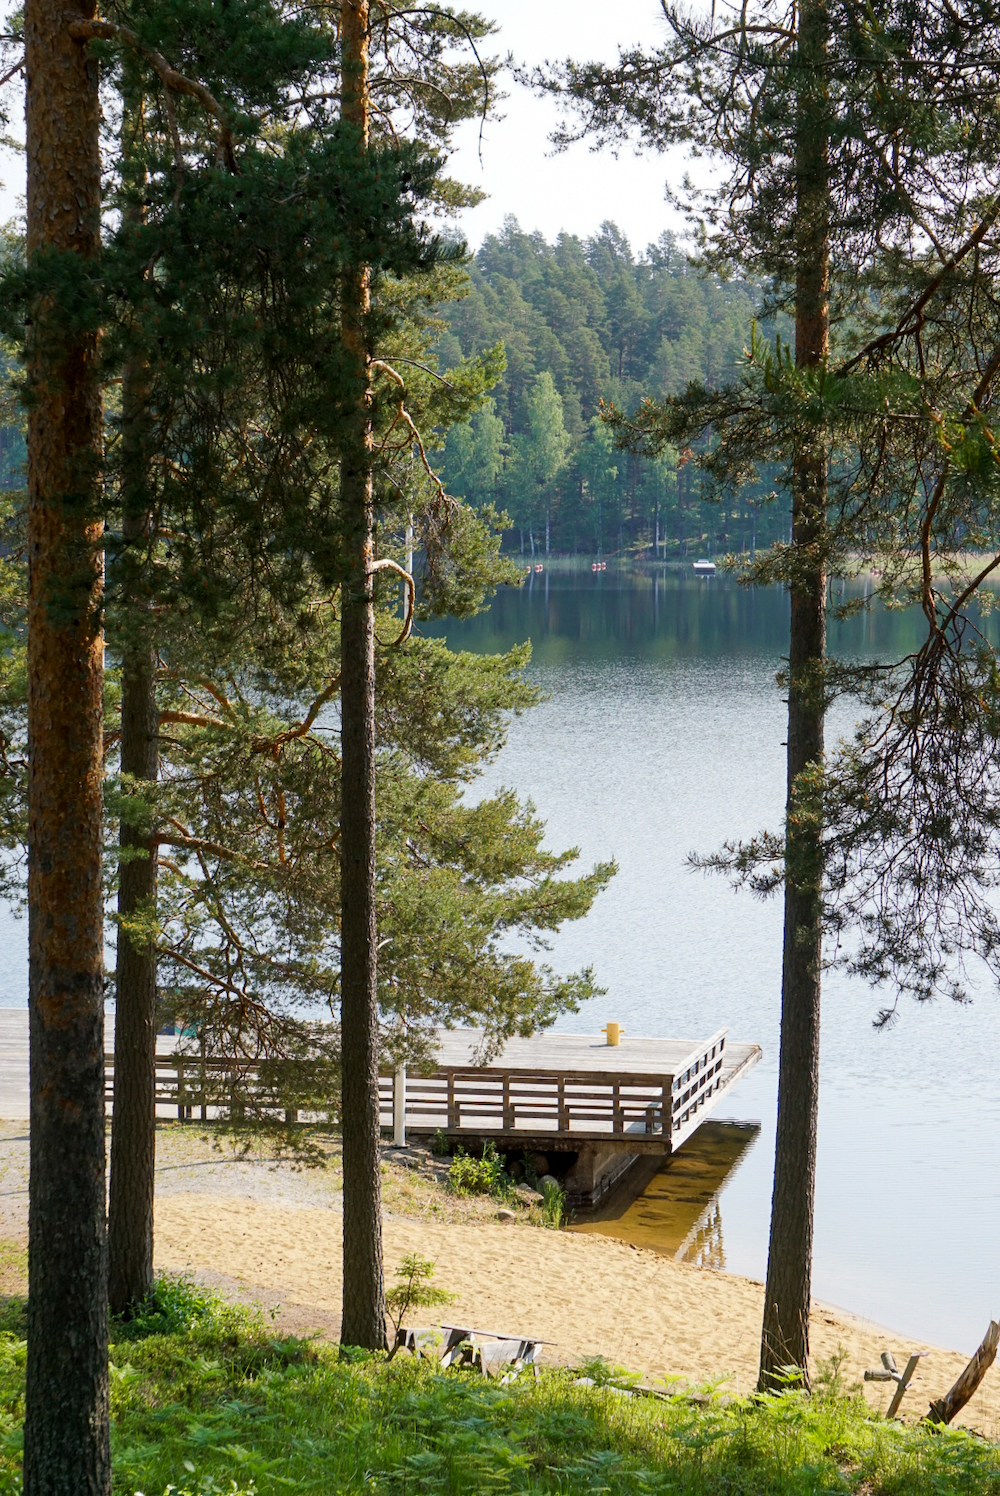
(133, 1127)
(363, 1320)
(66, 1444)
(785, 1333)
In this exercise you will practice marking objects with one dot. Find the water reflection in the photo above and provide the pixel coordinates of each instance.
(677, 1210)
(673, 615)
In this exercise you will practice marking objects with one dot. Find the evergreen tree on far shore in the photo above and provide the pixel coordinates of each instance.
(604, 324)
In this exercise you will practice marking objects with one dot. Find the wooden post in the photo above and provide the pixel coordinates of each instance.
(452, 1114)
(616, 1109)
(944, 1408)
(508, 1110)
(181, 1112)
(563, 1114)
(399, 1107)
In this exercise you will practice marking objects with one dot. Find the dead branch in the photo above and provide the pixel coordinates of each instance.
(944, 1408)
(190, 719)
(404, 415)
(411, 596)
(172, 80)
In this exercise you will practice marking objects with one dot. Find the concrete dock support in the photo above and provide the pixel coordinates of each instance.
(597, 1169)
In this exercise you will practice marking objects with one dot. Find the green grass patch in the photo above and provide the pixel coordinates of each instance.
(220, 1404)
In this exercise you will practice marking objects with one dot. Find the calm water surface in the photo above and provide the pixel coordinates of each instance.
(662, 734)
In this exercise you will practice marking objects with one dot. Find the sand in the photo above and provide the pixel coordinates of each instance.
(589, 1295)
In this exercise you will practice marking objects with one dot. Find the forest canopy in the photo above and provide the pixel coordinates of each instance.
(585, 321)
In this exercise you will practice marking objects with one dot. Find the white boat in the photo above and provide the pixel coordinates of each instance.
(704, 568)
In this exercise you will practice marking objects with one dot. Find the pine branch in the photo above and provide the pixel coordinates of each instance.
(411, 595)
(172, 80)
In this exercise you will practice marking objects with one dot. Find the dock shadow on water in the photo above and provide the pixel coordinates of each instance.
(674, 1207)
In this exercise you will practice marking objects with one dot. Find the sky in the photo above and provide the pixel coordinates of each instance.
(578, 189)
(573, 191)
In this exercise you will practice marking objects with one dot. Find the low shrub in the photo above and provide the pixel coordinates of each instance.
(174, 1306)
(554, 1208)
(469, 1175)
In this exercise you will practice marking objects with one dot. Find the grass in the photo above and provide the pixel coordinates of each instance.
(217, 1404)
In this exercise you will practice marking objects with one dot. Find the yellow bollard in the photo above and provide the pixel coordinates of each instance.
(614, 1032)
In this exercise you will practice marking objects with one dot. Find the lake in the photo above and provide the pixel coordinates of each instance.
(662, 734)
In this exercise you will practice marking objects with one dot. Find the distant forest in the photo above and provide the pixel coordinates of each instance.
(585, 320)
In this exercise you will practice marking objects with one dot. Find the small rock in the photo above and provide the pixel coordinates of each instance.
(547, 1179)
(506, 1215)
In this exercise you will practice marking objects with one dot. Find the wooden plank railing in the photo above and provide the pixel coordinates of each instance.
(616, 1103)
(494, 1100)
(695, 1084)
(205, 1086)
(466, 1098)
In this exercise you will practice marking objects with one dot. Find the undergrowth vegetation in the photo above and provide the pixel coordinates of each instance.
(484, 1175)
(219, 1405)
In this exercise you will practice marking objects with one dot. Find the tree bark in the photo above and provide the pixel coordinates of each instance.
(133, 1127)
(133, 1130)
(363, 1321)
(785, 1332)
(66, 1444)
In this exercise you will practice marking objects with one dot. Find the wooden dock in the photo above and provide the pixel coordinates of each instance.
(650, 1094)
(569, 1093)
(553, 1093)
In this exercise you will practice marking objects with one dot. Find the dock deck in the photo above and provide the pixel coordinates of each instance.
(565, 1090)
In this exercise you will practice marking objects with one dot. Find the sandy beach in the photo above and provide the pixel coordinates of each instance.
(589, 1295)
(270, 1232)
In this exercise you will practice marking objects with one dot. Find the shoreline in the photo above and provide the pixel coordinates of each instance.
(261, 1229)
(673, 1323)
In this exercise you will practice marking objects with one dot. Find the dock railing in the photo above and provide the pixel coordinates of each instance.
(593, 1104)
(696, 1080)
(204, 1087)
(590, 1104)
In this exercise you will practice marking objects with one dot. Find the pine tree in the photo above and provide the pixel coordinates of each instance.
(363, 1318)
(66, 1437)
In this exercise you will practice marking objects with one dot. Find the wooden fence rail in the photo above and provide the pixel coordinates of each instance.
(206, 1087)
(587, 1103)
(476, 1099)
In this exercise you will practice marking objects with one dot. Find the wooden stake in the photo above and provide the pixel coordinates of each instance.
(945, 1408)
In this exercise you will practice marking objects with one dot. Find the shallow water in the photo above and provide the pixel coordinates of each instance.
(662, 734)
(675, 1208)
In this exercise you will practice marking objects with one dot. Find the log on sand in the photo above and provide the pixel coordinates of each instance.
(944, 1408)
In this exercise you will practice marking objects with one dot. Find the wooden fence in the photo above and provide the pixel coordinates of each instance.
(589, 1104)
(192, 1086)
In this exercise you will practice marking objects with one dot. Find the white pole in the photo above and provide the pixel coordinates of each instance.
(399, 1107)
